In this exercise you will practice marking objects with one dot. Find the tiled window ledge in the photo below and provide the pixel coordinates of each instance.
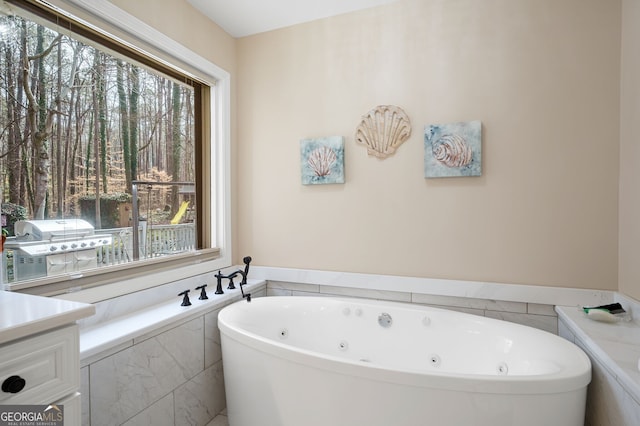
(104, 338)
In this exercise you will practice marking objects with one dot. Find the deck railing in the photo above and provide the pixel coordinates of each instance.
(155, 241)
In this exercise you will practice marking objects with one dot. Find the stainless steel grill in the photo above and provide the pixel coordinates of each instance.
(50, 247)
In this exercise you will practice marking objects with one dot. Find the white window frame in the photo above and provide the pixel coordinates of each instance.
(220, 183)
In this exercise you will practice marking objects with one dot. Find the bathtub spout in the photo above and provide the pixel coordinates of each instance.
(243, 272)
(243, 282)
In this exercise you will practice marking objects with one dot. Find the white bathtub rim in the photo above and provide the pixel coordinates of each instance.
(566, 380)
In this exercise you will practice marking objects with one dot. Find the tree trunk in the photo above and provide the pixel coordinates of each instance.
(25, 184)
(13, 140)
(41, 122)
(175, 141)
(102, 105)
(124, 123)
(97, 124)
(133, 119)
(60, 165)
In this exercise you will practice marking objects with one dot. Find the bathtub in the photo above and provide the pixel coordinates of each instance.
(317, 361)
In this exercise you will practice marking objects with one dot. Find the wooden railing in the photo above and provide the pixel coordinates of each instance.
(155, 241)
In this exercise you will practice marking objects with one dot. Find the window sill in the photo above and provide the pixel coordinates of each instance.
(98, 341)
(89, 286)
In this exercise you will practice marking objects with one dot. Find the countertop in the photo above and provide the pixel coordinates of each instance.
(24, 314)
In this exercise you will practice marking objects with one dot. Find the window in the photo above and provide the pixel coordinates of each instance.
(83, 113)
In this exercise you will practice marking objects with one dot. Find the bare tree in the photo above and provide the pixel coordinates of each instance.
(40, 121)
(98, 121)
(124, 122)
(134, 119)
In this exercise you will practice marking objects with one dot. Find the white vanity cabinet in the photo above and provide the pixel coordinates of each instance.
(40, 352)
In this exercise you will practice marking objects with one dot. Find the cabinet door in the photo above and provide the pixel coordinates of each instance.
(48, 363)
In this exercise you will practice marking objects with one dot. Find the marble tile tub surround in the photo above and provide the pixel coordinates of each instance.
(122, 305)
(408, 287)
(614, 350)
(527, 305)
(116, 332)
(172, 378)
(531, 314)
(159, 364)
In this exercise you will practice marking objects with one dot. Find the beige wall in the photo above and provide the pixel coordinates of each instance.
(186, 25)
(543, 76)
(178, 20)
(629, 270)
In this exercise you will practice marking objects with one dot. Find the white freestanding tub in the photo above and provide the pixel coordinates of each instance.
(317, 361)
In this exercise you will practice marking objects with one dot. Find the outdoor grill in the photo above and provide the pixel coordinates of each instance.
(50, 247)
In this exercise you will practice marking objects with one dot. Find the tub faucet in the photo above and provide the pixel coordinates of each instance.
(242, 272)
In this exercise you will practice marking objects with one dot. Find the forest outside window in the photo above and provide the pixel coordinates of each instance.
(86, 125)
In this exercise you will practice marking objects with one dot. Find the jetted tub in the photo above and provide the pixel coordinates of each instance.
(317, 361)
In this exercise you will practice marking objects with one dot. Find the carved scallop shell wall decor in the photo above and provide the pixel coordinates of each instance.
(383, 129)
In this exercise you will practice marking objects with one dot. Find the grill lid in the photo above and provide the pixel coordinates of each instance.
(37, 230)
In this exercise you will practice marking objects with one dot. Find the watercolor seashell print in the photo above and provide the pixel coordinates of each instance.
(453, 149)
(322, 160)
(383, 129)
